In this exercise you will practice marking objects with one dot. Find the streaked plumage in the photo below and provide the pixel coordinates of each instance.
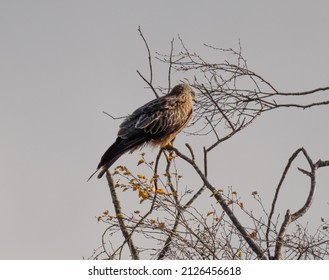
(156, 123)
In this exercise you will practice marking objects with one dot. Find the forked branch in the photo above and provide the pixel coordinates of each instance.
(289, 218)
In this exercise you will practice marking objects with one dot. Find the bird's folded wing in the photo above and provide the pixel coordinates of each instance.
(155, 117)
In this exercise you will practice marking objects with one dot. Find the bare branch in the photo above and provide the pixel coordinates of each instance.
(149, 84)
(300, 106)
(148, 53)
(303, 92)
(280, 238)
(119, 215)
(191, 150)
(278, 188)
(220, 199)
(170, 64)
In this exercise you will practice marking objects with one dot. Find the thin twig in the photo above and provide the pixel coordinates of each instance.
(114, 118)
(303, 92)
(148, 53)
(170, 64)
(149, 84)
(150, 81)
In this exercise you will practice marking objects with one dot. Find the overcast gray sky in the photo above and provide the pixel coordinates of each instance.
(64, 62)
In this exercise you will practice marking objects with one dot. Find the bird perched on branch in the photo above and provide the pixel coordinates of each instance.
(156, 123)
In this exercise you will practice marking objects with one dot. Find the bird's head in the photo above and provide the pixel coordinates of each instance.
(184, 89)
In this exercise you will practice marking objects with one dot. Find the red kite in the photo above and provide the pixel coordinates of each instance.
(157, 123)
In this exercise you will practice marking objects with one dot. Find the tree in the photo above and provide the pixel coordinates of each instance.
(173, 226)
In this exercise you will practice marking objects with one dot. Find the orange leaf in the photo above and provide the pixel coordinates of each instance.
(140, 162)
(143, 194)
(162, 225)
(160, 191)
(170, 157)
(216, 192)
